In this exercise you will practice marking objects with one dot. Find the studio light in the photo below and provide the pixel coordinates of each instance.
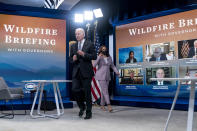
(79, 18)
(98, 13)
(88, 15)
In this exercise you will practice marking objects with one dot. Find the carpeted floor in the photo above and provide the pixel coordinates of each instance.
(122, 119)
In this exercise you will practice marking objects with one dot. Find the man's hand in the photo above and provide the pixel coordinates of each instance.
(74, 57)
(80, 52)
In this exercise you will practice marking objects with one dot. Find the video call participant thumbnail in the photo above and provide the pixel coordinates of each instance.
(130, 79)
(157, 55)
(160, 74)
(131, 58)
(188, 49)
(193, 50)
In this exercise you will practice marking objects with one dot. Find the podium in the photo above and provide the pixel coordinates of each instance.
(57, 94)
(191, 99)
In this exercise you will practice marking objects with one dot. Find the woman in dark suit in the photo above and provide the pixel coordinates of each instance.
(104, 62)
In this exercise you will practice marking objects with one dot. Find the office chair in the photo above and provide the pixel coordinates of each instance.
(9, 94)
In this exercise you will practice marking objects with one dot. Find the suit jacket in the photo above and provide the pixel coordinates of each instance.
(128, 60)
(83, 63)
(127, 81)
(162, 57)
(191, 52)
(164, 83)
(103, 71)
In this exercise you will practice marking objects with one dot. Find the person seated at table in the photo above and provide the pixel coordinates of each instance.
(160, 74)
(129, 80)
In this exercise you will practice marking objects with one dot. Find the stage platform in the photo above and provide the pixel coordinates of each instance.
(152, 102)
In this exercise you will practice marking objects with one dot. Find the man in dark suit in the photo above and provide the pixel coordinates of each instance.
(131, 79)
(193, 51)
(160, 74)
(131, 58)
(81, 55)
(157, 55)
(161, 83)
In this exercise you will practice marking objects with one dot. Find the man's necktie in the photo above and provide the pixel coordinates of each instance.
(79, 46)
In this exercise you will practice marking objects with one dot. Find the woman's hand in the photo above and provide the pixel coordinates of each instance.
(100, 54)
(118, 74)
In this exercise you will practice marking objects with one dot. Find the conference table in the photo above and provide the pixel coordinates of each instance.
(57, 94)
(191, 99)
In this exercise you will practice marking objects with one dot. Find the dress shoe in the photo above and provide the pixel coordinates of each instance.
(81, 112)
(88, 116)
(103, 108)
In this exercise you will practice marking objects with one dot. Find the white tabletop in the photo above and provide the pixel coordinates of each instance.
(51, 81)
(173, 79)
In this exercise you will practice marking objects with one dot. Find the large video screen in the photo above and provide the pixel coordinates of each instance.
(162, 47)
(32, 48)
